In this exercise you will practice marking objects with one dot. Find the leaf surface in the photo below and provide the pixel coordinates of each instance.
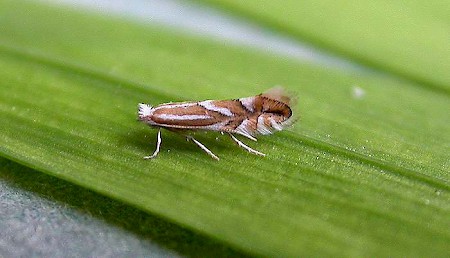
(408, 39)
(356, 176)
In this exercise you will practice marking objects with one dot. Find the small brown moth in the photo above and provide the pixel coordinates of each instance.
(261, 114)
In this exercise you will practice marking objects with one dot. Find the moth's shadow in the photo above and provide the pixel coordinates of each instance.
(145, 139)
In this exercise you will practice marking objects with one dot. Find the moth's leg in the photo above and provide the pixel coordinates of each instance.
(249, 136)
(242, 145)
(199, 144)
(158, 145)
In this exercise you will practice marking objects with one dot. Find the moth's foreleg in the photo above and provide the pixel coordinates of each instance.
(242, 145)
(203, 147)
(158, 145)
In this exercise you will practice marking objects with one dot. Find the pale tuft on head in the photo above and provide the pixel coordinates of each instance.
(144, 110)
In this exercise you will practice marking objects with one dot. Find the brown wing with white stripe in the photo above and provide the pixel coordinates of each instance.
(261, 114)
(269, 112)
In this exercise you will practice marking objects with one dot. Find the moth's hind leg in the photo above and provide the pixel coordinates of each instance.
(242, 145)
(158, 145)
(203, 147)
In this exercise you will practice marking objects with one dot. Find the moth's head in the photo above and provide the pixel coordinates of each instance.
(144, 111)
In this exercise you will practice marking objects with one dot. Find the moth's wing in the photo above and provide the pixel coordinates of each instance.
(289, 98)
(281, 94)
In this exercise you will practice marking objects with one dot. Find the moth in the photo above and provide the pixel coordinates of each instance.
(262, 114)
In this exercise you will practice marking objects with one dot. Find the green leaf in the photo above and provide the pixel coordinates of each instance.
(78, 215)
(409, 39)
(356, 176)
